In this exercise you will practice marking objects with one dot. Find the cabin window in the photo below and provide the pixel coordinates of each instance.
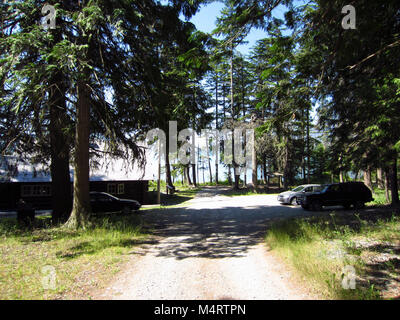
(121, 188)
(35, 190)
(112, 188)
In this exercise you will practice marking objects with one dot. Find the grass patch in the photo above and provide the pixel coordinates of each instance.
(379, 198)
(320, 249)
(245, 192)
(182, 195)
(83, 260)
(250, 191)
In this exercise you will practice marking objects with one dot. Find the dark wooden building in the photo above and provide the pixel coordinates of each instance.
(39, 193)
(30, 183)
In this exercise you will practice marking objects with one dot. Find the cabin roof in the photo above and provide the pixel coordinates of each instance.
(14, 169)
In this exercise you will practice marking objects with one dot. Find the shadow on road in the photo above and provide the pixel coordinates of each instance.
(216, 226)
(226, 231)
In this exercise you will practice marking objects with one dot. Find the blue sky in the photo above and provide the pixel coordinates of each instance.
(206, 17)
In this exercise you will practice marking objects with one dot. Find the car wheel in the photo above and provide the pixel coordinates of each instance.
(305, 207)
(316, 206)
(347, 206)
(359, 205)
(293, 202)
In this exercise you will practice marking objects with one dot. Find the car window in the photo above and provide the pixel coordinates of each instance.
(104, 198)
(334, 188)
(308, 189)
(316, 188)
(298, 189)
(325, 188)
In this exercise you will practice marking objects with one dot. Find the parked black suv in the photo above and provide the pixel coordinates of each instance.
(339, 194)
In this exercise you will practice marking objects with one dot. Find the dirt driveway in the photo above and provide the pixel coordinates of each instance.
(211, 249)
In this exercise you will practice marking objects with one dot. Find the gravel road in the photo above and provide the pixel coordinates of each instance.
(213, 248)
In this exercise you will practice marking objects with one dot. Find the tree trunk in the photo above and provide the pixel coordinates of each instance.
(341, 176)
(198, 165)
(216, 101)
(229, 175)
(185, 176)
(188, 175)
(209, 160)
(265, 173)
(394, 190)
(59, 153)
(81, 204)
(59, 146)
(308, 145)
(168, 177)
(194, 175)
(380, 179)
(254, 178)
(387, 186)
(159, 174)
(237, 179)
(235, 167)
(367, 178)
(216, 166)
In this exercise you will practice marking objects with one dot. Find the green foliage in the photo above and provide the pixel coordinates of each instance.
(319, 248)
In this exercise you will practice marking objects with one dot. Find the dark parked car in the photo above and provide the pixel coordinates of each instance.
(346, 194)
(104, 202)
(291, 197)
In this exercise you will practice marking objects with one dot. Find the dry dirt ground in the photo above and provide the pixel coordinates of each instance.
(213, 248)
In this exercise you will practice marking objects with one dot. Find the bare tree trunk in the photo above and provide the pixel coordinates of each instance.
(235, 167)
(380, 178)
(254, 177)
(394, 189)
(81, 204)
(168, 177)
(216, 166)
(188, 174)
(209, 160)
(59, 146)
(198, 164)
(159, 174)
(387, 186)
(229, 174)
(308, 145)
(194, 175)
(59, 153)
(341, 176)
(185, 175)
(265, 173)
(367, 178)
